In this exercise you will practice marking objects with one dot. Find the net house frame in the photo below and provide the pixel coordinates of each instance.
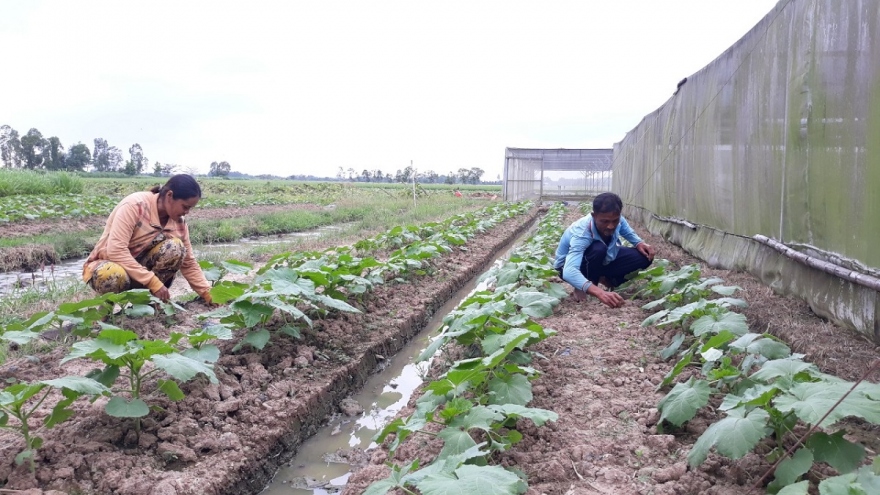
(556, 174)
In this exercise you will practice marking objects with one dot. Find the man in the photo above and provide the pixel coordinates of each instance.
(590, 252)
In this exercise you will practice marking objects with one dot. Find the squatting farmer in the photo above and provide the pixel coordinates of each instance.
(146, 241)
(590, 252)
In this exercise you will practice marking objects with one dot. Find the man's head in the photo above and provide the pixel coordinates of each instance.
(606, 212)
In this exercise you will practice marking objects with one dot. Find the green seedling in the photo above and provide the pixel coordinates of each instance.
(123, 354)
(16, 403)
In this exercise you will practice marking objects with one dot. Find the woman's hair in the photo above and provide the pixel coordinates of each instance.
(605, 203)
(183, 186)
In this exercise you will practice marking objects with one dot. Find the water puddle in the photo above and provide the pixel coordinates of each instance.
(10, 282)
(323, 462)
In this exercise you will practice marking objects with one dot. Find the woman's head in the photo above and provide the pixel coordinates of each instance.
(178, 196)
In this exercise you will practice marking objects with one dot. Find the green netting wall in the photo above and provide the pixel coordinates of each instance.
(778, 136)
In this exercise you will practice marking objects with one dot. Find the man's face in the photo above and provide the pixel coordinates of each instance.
(606, 222)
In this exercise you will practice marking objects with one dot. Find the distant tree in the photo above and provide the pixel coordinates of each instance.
(463, 175)
(351, 173)
(169, 169)
(366, 175)
(100, 155)
(32, 148)
(138, 160)
(114, 159)
(10, 147)
(190, 170)
(220, 169)
(475, 174)
(449, 179)
(430, 176)
(78, 158)
(157, 169)
(340, 174)
(55, 159)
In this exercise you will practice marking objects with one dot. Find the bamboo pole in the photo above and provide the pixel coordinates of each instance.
(675, 221)
(837, 270)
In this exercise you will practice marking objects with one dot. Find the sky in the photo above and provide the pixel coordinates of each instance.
(296, 87)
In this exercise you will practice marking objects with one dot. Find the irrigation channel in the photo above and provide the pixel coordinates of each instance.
(72, 268)
(317, 468)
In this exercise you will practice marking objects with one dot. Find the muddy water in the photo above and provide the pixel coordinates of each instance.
(321, 465)
(11, 282)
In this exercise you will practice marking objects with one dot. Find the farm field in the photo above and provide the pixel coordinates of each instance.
(42, 226)
(226, 436)
(600, 373)
(596, 379)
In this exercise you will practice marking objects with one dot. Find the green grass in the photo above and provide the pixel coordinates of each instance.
(18, 182)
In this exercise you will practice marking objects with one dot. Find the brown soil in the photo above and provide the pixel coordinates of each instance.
(600, 376)
(229, 438)
(70, 225)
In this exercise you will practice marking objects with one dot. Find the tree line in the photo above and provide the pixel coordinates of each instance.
(32, 151)
(463, 176)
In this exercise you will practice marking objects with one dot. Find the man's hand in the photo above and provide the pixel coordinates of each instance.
(610, 299)
(646, 249)
(163, 294)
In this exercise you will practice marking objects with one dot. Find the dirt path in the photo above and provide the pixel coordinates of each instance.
(600, 376)
(228, 438)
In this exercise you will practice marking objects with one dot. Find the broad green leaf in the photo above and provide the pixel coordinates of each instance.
(183, 368)
(226, 291)
(538, 416)
(514, 389)
(80, 384)
(799, 488)
(535, 304)
(256, 338)
(469, 479)
(207, 353)
(170, 388)
(769, 348)
(683, 401)
(786, 368)
(495, 341)
(838, 452)
(19, 337)
(253, 313)
(117, 336)
(734, 323)
(334, 303)
(672, 347)
(237, 267)
(810, 401)
(98, 348)
(862, 482)
(455, 441)
(792, 468)
(106, 377)
(733, 437)
(480, 417)
(140, 310)
(654, 318)
(726, 290)
(121, 408)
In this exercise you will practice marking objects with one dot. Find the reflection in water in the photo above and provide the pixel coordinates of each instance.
(321, 465)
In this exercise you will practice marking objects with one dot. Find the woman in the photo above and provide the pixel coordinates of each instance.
(146, 241)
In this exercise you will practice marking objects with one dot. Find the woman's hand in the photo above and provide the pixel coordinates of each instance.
(163, 294)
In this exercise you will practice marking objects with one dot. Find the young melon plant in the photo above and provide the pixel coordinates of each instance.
(21, 401)
(136, 360)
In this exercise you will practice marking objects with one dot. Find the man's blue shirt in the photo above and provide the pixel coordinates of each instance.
(575, 241)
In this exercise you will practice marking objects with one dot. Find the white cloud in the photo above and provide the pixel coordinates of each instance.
(306, 87)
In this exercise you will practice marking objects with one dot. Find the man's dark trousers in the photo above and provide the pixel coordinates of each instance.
(628, 260)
